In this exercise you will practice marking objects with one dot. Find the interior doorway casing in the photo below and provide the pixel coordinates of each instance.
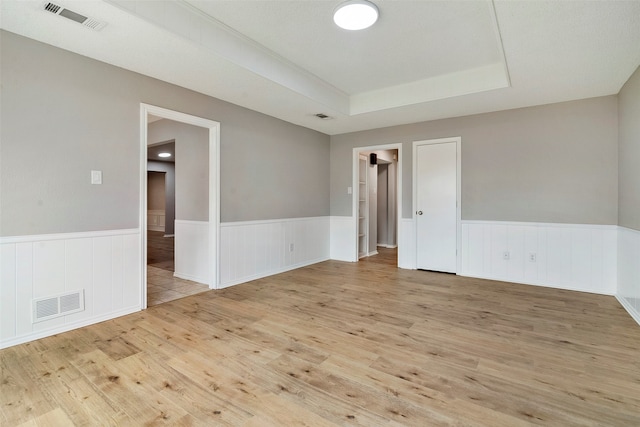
(214, 189)
(355, 190)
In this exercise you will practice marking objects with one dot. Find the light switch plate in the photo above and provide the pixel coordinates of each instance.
(96, 177)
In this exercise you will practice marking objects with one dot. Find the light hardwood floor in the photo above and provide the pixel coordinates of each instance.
(340, 344)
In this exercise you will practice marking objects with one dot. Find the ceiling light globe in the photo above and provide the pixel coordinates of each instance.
(164, 155)
(355, 15)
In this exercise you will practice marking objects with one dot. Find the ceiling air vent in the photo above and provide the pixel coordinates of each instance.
(323, 116)
(94, 24)
(53, 8)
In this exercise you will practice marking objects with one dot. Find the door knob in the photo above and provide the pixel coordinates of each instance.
(419, 212)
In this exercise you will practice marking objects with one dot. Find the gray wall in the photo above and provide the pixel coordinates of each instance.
(271, 169)
(629, 153)
(387, 199)
(64, 115)
(170, 192)
(192, 166)
(156, 189)
(551, 163)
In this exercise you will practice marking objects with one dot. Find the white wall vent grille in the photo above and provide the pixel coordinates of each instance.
(58, 305)
(94, 24)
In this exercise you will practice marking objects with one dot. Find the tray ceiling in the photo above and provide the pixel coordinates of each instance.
(422, 60)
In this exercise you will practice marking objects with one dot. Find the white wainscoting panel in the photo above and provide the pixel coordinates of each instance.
(407, 244)
(106, 264)
(250, 250)
(568, 256)
(629, 271)
(343, 240)
(192, 250)
(155, 220)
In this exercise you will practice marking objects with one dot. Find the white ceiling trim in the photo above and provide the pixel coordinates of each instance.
(555, 50)
(465, 82)
(183, 19)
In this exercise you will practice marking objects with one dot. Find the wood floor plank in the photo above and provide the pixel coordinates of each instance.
(446, 404)
(54, 418)
(339, 343)
(78, 397)
(19, 399)
(125, 392)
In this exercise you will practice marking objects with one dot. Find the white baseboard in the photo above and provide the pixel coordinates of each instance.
(567, 256)
(628, 292)
(192, 250)
(631, 309)
(342, 238)
(67, 327)
(271, 273)
(106, 265)
(255, 249)
(198, 279)
(406, 244)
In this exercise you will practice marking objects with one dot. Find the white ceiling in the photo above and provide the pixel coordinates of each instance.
(164, 147)
(422, 60)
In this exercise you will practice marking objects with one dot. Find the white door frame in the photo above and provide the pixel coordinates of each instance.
(214, 189)
(356, 186)
(458, 141)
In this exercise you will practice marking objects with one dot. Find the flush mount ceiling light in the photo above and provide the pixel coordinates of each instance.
(164, 154)
(355, 15)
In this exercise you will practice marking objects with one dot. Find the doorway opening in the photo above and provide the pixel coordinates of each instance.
(163, 281)
(193, 255)
(377, 190)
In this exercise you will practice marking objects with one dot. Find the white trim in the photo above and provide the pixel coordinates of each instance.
(355, 187)
(268, 221)
(340, 241)
(631, 310)
(406, 246)
(628, 269)
(190, 222)
(214, 188)
(271, 273)
(566, 256)
(193, 246)
(187, 276)
(67, 236)
(255, 249)
(458, 142)
(532, 283)
(545, 224)
(67, 327)
(103, 265)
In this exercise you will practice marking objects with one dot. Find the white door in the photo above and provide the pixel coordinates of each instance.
(436, 206)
